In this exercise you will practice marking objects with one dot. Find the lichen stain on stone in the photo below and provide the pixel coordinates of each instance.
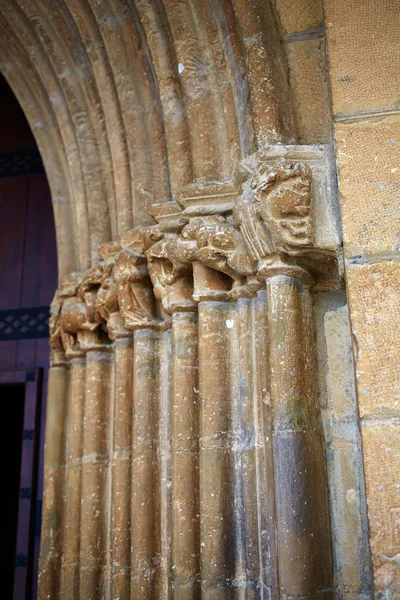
(296, 413)
(277, 332)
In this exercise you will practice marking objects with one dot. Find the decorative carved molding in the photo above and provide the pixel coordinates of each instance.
(74, 322)
(197, 254)
(107, 303)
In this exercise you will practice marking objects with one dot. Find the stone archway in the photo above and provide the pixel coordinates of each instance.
(196, 229)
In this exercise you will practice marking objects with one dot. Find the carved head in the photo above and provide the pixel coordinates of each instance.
(69, 286)
(140, 240)
(129, 267)
(213, 231)
(109, 251)
(107, 297)
(282, 198)
(67, 290)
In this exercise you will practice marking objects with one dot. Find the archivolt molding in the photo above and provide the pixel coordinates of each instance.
(203, 252)
(131, 102)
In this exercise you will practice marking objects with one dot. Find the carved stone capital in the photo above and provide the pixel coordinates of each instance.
(238, 233)
(170, 269)
(75, 324)
(107, 302)
(135, 293)
(274, 216)
(223, 246)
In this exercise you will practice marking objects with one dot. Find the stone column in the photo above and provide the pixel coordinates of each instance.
(96, 480)
(150, 538)
(302, 510)
(217, 519)
(70, 585)
(263, 417)
(185, 409)
(52, 540)
(121, 469)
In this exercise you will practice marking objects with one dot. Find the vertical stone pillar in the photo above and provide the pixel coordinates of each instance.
(217, 521)
(163, 467)
(94, 542)
(266, 508)
(121, 470)
(70, 584)
(302, 511)
(150, 477)
(254, 498)
(52, 541)
(185, 408)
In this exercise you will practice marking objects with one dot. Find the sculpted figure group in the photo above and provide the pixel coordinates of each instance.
(148, 273)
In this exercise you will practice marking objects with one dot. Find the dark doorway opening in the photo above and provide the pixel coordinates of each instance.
(11, 434)
(28, 279)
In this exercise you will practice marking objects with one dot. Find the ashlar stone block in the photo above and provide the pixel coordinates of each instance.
(368, 161)
(374, 297)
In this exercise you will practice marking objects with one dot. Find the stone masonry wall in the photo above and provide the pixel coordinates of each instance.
(363, 55)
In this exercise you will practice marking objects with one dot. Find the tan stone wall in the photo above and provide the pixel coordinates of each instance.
(363, 54)
(304, 39)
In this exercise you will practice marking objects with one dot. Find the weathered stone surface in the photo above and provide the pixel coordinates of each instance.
(363, 54)
(381, 444)
(299, 15)
(303, 524)
(132, 106)
(368, 161)
(341, 402)
(374, 298)
(52, 534)
(352, 570)
(309, 90)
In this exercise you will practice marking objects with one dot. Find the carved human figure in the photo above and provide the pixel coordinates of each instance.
(67, 291)
(169, 263)
(75, 300)
(135, 293)
(107, 303)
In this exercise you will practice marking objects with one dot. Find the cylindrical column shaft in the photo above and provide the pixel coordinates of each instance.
(70, 584)
(150, 538)
(303, 533)
(95, 476)
(185, 458)
(121, 470)
(217, 521)
(163, 469)
(251, 449)
(263, 414)
(52, 542)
